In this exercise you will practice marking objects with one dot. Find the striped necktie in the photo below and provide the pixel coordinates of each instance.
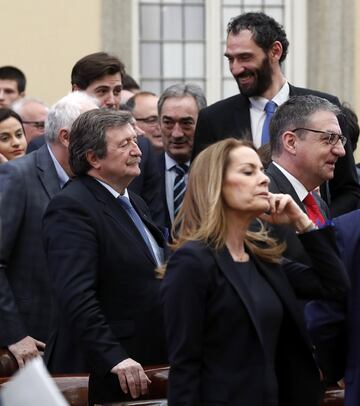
(179, 186)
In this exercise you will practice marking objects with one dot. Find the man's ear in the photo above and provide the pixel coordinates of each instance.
(22, 94)
(93, 159)
(276, 51)
(64, 137)
(289, 142)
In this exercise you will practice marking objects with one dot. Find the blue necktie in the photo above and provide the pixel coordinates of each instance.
(126, 204)
(179, 186)
(270, 108)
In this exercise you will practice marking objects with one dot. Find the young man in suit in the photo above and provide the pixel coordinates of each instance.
(178, 109)
(26, 186)
(102, 251)
(256, 46)
(101, 75)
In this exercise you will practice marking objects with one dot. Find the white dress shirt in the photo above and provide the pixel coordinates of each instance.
(258, 115)
(170, 175)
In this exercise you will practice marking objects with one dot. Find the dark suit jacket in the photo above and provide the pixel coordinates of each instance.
(26, 186)
(231, 118)
(326, 332)
(348, 239)
(146, 185)
(162, 171)
(280, 184)
(215, 344)
(105, 286)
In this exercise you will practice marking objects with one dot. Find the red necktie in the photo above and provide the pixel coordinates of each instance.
(313, 210)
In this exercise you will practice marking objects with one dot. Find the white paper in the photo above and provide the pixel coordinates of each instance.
(32, 385)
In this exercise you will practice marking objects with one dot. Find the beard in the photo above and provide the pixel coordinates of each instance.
(262, 79)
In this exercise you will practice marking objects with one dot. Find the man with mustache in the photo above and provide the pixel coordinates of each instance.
(256, 47)
(178, 109)
(102, 250)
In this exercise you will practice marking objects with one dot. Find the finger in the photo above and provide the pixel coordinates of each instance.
(40, 345)
(144, 381)
(122, 380)
(133, 388)
(19, 360)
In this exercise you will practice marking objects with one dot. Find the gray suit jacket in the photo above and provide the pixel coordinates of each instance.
(26, 186)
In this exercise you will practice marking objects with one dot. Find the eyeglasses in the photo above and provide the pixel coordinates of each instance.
(151, 121)
(40, 125)
(331, 138)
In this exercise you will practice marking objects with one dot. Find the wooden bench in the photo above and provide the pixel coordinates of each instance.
(75, 387)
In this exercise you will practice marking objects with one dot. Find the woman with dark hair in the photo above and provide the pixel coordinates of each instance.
(12, 136)
(236, 333)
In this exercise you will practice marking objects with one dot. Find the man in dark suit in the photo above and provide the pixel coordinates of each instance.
(100, 75)
(178, 109)
(255, 48)
(306, 143)
(26, 186)
(348, 239)
(102, 251)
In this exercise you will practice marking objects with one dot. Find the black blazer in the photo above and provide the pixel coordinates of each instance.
(280, 184)
(162, 171)
(105, 287)
(231, 118)
(146, 185)
(214, 339)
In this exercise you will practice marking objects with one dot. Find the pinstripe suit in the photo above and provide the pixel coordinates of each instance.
(26, 186)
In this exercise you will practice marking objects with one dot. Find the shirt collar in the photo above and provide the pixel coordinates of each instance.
(300, 189)
(170, 163)
(112, 190)
(259, 102)
(62, 175)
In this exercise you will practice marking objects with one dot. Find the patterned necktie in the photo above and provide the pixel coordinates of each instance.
(270, 108)
(126, 204)
(313, 210)
(179, 186)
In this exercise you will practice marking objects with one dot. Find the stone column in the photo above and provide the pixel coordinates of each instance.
(116, 29)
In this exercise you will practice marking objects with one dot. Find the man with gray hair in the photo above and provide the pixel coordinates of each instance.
(33, 113)
(178, 109)
(306, 142)
(26, 186)
(102, 251)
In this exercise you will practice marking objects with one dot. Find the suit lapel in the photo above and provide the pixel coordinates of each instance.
(281, 286)
(227, 266)
(113, 209)
(276, 279)
(46, 171)
(242, 117)
(280, 184)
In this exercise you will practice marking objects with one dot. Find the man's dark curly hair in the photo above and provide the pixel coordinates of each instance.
(265, 30)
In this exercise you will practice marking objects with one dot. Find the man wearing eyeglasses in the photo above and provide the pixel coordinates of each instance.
(256, 48)
(143, 106)
(33, 113)
(306, 143)
(178, 109)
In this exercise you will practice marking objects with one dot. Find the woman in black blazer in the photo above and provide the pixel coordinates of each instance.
(235, 331)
